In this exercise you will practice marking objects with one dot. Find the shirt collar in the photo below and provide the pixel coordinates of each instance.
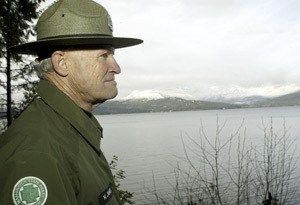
(87, 126)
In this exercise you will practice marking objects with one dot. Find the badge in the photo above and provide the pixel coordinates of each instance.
(105, 196)
(109, 23)
(30, 191)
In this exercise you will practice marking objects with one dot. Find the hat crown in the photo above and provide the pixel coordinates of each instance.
(73, 23)
(74, 18)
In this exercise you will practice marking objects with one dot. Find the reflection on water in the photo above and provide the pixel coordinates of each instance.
(152, 143)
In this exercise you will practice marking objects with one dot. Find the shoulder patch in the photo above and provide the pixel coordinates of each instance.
(30, 191)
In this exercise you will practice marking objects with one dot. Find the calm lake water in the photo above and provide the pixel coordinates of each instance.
(150, 145)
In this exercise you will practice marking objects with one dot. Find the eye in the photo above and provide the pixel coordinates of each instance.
(104, 55)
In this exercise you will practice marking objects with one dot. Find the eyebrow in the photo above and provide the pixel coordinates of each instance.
(110, 49)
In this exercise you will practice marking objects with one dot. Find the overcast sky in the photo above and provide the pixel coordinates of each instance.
(208, 47)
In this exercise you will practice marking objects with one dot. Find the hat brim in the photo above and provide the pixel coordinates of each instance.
(46, 45)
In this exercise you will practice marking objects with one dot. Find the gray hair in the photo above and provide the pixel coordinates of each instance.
(43, 67)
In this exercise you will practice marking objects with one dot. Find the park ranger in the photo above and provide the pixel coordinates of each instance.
(51, 153)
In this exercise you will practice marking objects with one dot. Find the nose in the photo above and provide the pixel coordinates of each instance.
(114, 66)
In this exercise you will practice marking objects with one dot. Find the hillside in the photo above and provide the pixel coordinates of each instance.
(158, 105)
(169, 104)
(291, 99)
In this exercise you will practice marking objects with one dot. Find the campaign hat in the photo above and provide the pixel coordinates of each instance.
(73, 23)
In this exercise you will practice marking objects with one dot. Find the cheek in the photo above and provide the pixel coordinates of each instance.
(89, 75)
(98, 73)
(80, 79)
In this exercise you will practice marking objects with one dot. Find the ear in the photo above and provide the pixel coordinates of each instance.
(59, 63)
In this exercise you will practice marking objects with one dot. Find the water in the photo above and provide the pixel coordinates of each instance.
(149, 145)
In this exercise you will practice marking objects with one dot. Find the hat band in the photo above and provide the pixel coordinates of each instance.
(75, 36)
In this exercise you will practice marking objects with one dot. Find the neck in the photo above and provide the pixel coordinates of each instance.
(64, 86)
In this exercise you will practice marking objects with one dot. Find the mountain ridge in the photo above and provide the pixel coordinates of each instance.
(291, 99)
(172, 104)
(159, 105)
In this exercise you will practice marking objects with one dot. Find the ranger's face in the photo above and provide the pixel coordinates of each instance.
(91, 74)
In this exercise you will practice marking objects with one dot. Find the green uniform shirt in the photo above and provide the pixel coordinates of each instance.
(51, 155)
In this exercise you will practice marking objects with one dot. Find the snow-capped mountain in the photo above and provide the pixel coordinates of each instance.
(154, 94)
(229, 97)
(157, 101)
(237, 94)
(234, 95)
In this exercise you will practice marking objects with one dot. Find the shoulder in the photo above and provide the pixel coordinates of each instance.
(39, 128)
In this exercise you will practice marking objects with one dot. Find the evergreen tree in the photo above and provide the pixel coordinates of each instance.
(15, 28)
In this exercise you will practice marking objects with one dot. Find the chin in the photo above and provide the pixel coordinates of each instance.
(113, 95)
(109, 96)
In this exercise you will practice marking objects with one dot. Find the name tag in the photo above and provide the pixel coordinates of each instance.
(105, 196)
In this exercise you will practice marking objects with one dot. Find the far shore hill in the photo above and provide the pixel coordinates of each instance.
(172, 104)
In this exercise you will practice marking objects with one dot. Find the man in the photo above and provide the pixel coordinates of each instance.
(51, 153)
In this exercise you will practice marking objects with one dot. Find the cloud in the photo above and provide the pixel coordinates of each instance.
(204, 44)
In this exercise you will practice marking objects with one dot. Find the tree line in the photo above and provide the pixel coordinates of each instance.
(16, 77)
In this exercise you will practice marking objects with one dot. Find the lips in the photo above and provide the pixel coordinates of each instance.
(108, 79)
(111, 81)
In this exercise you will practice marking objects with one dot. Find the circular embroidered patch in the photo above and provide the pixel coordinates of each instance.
(30, 191)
